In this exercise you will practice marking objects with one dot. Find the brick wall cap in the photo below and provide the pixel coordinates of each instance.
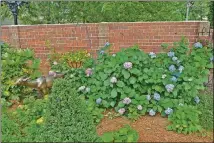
(105, 23)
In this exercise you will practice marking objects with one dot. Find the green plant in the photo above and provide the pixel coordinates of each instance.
(11, 131)
(206, 108)
(17, 63)
(18, 124)
(67, 118)
(96, 112)
(185, 120)
(125, 134)
(154, 82)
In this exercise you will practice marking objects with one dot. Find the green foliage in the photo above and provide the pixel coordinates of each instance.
(96, 112)
(67, 118)
(16, 63)
(91, 12)
(206, 108)
(19, 124)
(10, 129)
(185, 120)
(210, 15)
(145, 78)
(125, 134)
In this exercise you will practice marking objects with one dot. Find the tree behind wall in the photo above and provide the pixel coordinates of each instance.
(89, 12)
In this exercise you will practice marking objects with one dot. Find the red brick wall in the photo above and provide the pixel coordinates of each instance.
(66, 37)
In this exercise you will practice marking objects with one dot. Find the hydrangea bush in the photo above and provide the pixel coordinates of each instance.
(156, 81)
(135, 83)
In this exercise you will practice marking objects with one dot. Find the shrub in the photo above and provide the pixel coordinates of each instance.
(125, 134)
(11, 131)
(67, 118)
(156, 82)
(206, 108)
(15, 63)
(185, 120)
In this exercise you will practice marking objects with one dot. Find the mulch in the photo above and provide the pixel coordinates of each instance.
(150, 129)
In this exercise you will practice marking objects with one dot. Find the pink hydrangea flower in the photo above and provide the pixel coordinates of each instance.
(88, 72)
(127, 65)
(127, 100)
(52, 73)
(121, 111)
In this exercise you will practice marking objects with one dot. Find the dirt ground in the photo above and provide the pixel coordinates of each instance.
(150, 129)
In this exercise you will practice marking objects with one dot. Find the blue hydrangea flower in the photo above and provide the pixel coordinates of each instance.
(102, 52)
(168, 111)
(174, 79)
(212, 59)
(172, 68)
(177, 75)
(99, 101)
(197, 100)
(107, 44)
(148, 97)
(152, 54)
(198, 45)
(156, 96)
(169, 87)
(171, 54)
(174, 58)
(152, 112)
(181, 68)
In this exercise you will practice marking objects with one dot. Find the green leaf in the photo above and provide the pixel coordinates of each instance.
(107, 137)
(106, 83)
(112, 103)
(132, 80)
(121, 104)
(114, 93)
(103, 76)
(126, 74)
(120, 84)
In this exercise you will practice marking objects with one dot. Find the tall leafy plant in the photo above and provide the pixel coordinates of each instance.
(16, 63)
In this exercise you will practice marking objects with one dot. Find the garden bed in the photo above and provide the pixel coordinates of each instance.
(150, 129)
(158, 97)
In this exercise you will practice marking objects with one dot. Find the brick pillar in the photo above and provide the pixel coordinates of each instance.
(14, 36)
(103, 34)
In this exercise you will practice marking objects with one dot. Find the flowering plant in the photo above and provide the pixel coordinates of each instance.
(135, 84)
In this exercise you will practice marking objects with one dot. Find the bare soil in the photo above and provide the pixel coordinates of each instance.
(150, 129)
